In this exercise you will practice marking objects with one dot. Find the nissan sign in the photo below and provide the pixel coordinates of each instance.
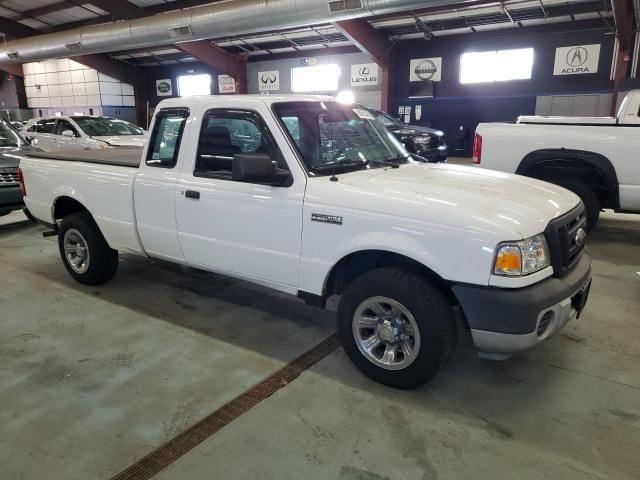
(364, 74)
(578, 59)
(425, 69)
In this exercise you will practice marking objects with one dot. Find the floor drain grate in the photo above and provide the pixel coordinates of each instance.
(168, 453)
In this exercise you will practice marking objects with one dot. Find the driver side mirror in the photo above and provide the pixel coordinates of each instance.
(258, 168)
(33, 141)
(68, 133)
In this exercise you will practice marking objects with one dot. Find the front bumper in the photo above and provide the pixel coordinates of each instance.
(505, 321)
(432, 155)
(10, 199)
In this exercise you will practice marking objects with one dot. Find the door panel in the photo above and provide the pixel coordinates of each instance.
(247, 229)
(154, 191)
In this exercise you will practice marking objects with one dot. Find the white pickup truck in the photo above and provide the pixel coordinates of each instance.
(598, 158)
(315, 198)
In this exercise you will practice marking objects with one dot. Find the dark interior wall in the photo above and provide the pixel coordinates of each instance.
(12, 92)
(455, 104)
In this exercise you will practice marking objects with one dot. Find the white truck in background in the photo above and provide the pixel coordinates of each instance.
(598, 158)
(313, 197)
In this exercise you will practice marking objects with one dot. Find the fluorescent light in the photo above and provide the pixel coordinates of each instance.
(496, 66)
(189, 85)
(318, 78)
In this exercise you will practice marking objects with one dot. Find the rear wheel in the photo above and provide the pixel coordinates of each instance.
(84, 251)
(396, 327)
(588, 197)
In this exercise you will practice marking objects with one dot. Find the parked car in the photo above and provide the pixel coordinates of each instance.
(11, 146)
(327, 203)
(427, 143)
(595, 157)
(18, 124)
(82, 132)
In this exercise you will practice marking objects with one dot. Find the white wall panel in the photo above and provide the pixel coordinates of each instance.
(80, 101)
(127, 89)
(93, 88)
(90, 75)
(54, 91)
(77, 76)
(73, 65)
(67, 102)
(52, 79)
(64, 77)
(50, 66)
(41, 79)
(66, 90)
(110, 88)
(128, 101)
(112, 100)
(63, 64)
(78, 89)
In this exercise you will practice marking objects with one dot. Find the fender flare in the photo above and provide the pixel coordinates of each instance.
(601, 164)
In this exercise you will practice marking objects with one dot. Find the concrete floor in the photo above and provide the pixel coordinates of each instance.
(92, 379)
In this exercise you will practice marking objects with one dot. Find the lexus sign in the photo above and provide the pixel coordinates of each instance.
(425, 69)
(364, 74)
(576, 60)
(269, 81)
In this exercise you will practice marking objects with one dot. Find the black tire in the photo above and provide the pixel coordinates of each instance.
(588, 197)
(103, 260)
(428, 306)
(27, 214)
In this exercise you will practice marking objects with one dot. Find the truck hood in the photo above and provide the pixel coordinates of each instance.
(123, 141)
(467, 197)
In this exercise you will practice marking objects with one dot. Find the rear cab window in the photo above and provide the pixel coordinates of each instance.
(164, 144)
(45, 126)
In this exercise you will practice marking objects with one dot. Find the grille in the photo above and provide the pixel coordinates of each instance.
(8, 177)
(562, 237)
(544, 323)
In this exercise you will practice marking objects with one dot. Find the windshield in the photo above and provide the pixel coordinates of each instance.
(9, 137)
(103, 126)
(332, 135)
(386, 119)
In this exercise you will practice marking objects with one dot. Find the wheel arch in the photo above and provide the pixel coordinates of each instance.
(65, 205)
(356, 263)
(592, 168)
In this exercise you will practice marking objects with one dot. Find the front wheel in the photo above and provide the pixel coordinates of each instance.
(84, 251)
(396, 327)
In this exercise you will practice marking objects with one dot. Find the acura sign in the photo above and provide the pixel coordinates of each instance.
(425, 69)
(269, 81)
(364, 74)
(578, 59)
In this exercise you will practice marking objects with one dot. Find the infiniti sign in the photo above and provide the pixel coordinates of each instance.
(269, 81)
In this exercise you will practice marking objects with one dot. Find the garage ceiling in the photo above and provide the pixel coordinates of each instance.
(472, 16)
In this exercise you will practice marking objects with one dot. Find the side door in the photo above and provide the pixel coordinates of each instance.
(247, 229)
(45, 136)
(66, 136)
(154, 188)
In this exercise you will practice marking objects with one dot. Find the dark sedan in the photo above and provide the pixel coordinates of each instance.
(11, 146)
(427, 143)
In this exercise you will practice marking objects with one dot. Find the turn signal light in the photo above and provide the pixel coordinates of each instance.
(509, 260)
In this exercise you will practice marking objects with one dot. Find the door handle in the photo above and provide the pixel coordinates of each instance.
(192, 194)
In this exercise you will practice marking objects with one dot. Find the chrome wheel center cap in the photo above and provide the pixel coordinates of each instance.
(388, 331)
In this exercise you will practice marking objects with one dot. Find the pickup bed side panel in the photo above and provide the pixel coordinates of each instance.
(106, 191)
(504, 146)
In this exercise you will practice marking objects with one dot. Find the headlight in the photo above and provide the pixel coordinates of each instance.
(421, 140)
(522, 257)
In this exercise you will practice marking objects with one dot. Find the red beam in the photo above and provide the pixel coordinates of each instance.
(13, 68)
(220, 60)
(367, 39)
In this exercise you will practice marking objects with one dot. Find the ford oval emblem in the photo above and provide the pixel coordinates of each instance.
(581, 235)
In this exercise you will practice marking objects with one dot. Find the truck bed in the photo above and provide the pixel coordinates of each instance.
(121, 157)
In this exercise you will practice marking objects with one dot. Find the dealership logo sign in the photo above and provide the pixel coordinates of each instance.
(226, 84)
(364, 74)
(269, 81)
(425, 69)
(163, 88)
(578, 59)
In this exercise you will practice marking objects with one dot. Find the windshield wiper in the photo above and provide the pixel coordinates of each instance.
(344, 163)
(389, 161)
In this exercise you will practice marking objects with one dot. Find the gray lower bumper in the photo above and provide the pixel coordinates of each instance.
(504, 321)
